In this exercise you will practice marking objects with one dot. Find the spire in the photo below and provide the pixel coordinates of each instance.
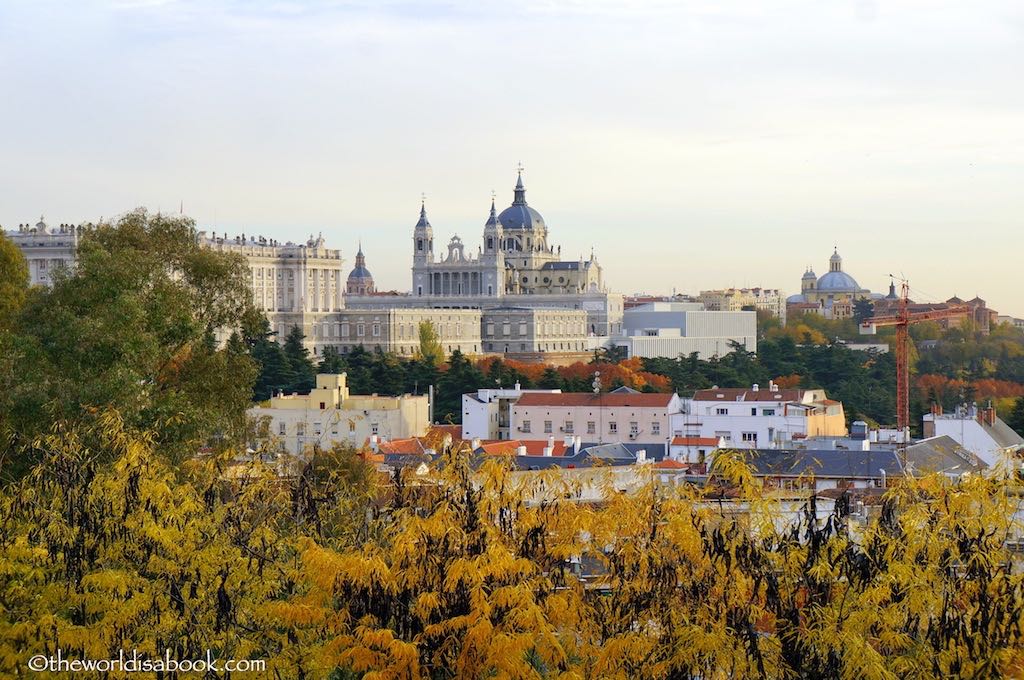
(359, 253)
(520, 190)
(423, 223)
(360, 258)
(492, 219)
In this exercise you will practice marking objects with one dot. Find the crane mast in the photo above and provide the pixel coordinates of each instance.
(902, 320)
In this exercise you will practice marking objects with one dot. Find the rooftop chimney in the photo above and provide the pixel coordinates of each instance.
(521, 450)
(755, 387)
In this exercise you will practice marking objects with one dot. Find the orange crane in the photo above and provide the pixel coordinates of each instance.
(902, 320)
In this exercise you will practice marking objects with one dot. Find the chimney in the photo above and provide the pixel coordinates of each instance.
(475, 443)
(521, 450)
(641, 456)
(374, 443)
(518, 386)
(755, 388)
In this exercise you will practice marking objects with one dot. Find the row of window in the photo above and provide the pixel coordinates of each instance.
(541, 347)
(569, 427)
(300, 428)
(723, 411)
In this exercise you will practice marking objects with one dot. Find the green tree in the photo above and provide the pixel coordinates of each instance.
(128, 328)
(1016, 419)
(461, 377)
(301, 366)
(13, 280)
(331, 361)
(863, 309)
(430, 348)
(275, 371)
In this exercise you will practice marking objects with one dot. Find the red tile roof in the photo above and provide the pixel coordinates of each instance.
(671, 465)
(694, 441)
(640, 400)
(409, 446)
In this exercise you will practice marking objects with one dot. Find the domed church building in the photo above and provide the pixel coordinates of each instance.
(832, 295)
(360, 280)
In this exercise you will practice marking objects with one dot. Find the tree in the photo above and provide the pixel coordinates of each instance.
(127, 328)
(461, 377)
(551, 380)
(331, 361)
(863, 309)
(275, 371)
(1016, 419)
(430, 349)
(301, 366)
(13, 280)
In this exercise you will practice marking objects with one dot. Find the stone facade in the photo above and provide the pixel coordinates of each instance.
(396, 330)
(520, 329)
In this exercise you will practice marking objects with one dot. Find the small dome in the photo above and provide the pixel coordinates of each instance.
(838, 282)
(796, 298)
(835, 256)
(809, 274)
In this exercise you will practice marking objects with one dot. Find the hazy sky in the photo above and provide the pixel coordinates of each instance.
(691, 144)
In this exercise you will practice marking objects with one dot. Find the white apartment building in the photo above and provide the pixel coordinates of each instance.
(979, 430)
(753, 418)
(487, 413)
(627, 417)
(771, 300)
(330, 415)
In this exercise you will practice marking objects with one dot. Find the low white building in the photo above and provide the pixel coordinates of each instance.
(979, 430)
(750, 418)
(329, 415)
(487, 413)
(670, 329)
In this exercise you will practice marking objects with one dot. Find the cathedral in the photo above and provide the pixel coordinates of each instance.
(515, 258)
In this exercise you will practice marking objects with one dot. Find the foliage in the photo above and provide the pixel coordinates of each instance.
(430, 349)
(14, 280)
(489, 572)
(299, 363)
(129, 328)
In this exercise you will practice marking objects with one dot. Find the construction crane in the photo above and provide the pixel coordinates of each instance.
(902, 320)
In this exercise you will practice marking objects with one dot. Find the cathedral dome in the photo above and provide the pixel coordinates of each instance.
(360, 281)
(838, 282)
(519, 215)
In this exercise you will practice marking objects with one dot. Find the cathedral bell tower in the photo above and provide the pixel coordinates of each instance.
(492, 257)
(423, 238)
(422, 253)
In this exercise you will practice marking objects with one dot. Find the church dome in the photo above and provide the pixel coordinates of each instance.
(519, 215)
(360, 281)
(838, 282)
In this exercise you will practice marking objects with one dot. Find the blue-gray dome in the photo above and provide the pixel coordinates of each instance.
(360, 273)
(519, 215)
(839, 282)
(796, 298)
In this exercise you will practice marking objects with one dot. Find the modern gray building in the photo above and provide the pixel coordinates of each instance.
(670, 329)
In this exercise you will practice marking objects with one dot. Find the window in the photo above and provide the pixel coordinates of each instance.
(376, 330)
(749, 436)
(522, 329)
(360, 330)
(525, 426)
(506, 329)
(282, 429)
(591, 427)
(351, 426)
(323, 405)
(374, 428)
(317, 428)
(300, 429)
(753, 411)
(490, 329)
(721, 411)
(768, 412)
(344, 330)
(634, 427)
(547, 427)
(613, 427)
(569, 427)
(724, 435)
(655, 428)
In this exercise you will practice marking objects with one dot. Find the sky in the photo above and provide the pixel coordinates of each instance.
(692, 145)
